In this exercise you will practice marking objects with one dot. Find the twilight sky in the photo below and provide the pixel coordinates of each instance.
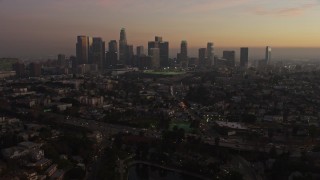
(35, 28)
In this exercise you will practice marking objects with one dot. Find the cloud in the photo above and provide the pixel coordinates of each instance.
(215, 5)
(183, 6)
(289, 11)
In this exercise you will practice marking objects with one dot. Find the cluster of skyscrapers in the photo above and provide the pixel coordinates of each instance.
(91, 54)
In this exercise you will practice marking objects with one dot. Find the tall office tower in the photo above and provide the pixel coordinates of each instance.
(19, 68)
(62, 62)
(202, 56)
(145, 62)
(164, 54)
(35, 70)
(140, 51)
(140, 55)
(90, 50)
(244, 57)
(113, 46)
(158, 39)
(268, 54)
(74, 64)
(163, 48)
(97, 52)
(230, 56)
(152, 44)
(111, 59)
(155, 57)
(82, 50)
(112, 55)
(122, 46)
(210, 53)
(129, 55)
(183, 56)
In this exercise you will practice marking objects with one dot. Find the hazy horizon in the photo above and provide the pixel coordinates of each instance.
(255, 53)
(43, 28)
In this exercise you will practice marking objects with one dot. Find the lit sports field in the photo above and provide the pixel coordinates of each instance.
(164, 72)
(183, 125)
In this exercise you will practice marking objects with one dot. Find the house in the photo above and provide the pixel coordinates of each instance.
(3, 167)
(37, 154)
(29, 145)
(63, 106)
(30, 175)
(58, 175)
(51, 170)
(14, 152)
(41, 164)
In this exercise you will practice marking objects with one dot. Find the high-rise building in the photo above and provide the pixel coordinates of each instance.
(163, 48)
(74, 63)
(97, 52)
(90, 50)
(268, 54)
(82, 50)
(140, 51)
(155, 57)
(152, 44)
(129, 55)
(164, 54)
(244, 57)
(158, 39)
(111, 59)
(123, 46)
(19, 68)
(183, 56)
(230, 56)
(112, 55)
(210, 53)
(145, 62)
(113, 46)
(62, 61)
(202, 56)
(35, 70)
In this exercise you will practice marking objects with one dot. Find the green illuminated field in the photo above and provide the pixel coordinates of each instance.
(183, 125)
(164, 72)
(6, 63)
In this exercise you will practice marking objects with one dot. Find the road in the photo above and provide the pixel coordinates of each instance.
(168, 168)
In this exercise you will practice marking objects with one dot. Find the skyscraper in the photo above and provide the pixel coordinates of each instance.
(113, 46)
(82, 50)
(155, 57)
(19, 68)
(140, 51)
(97, 52)
(112, 54)
(230, 56)
(35, 70)
(129, 55)
(122, 46)
(158, 39)
(62, 62)
(244, 57)
(210, 53)
(202, 56)
(268, 54)
(163, 48)
(183, 56)
(90, 50)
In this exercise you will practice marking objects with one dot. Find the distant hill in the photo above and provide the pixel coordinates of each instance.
(6, 63)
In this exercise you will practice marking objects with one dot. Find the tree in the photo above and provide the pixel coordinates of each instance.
(75, 173)
(217, 141)
(249, 118)
(313, 132)
(233, 175)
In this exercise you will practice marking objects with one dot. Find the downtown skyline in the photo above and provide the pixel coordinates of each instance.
(43, 28)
